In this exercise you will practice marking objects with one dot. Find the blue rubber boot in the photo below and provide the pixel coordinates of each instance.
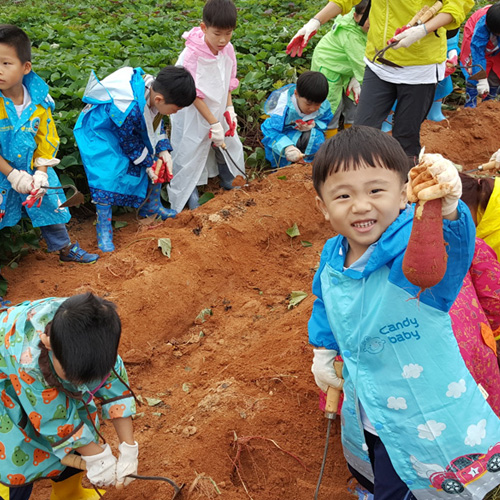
(387, 125)
(491, 94)
(153, 205)
(435, 113)
(104, 228)
(471, 97)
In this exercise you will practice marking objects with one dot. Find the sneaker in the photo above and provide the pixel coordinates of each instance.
(77, 254)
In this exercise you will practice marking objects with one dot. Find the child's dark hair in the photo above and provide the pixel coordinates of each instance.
(476, 193)
(220, 14)
(313, 86)
(355, 148)
(493, 18)
(176, 85)
(15, 37)
(361, 7)
(84, 337)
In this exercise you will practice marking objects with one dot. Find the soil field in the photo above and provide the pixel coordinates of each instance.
(236, 407)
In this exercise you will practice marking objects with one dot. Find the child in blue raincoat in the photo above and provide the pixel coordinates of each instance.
(414, 422)
(299, 114)
(50, 372)
(28, 146)
(120, 135)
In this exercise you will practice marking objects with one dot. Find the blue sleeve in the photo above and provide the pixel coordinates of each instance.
(480, 39)
(320, 333)
(131, 142)
(163, 145)
(274, 137)
(324, 117)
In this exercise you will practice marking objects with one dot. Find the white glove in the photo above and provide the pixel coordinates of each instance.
(101, 468)
(40, 179)
(21, 181)
(128, 461)
(217, 134)
(355, 88)
(496, 158)
(323, 370)
(483, 87)
(151, 173)
(293, 154)
(409, 36)
(449, 187)
(167, 159)
(301, 38)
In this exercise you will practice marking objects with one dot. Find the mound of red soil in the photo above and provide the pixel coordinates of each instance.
(210, 341)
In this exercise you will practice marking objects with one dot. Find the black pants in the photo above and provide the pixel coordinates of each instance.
(414, 102)
(388, 485)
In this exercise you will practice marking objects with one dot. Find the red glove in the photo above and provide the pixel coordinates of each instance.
(232, 124)
(32, 199)
(451, 65)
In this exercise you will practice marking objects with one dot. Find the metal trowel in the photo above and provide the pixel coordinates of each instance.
(75, 199)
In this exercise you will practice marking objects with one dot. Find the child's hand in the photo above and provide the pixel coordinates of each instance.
(496, 158)
(451, 62)
(167, 160)
(101, 468)
(40, 179)
(293, 154)
(302, 37)
(323, 370)
(303, 126)
(21, 181)
(128, 461)
(216, 134)
(408, 36)
(232, 121)
(355, 88)
(483, 87)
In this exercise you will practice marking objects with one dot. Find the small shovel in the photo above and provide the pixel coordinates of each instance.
(485, 167)
(77, 462)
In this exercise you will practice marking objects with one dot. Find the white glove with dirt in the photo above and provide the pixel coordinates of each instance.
(128, 461)
(449, 187)
(293, 154)
(483, 87)
(496, 158)
(151, 173)
(40, 179)
(323, 370)
(217, 134)
(409, 37)
(355, 88)
(21, 181)
(101, 468)
(167, 159)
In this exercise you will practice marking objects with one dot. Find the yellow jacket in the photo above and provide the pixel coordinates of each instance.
(488, 223)
(388, 15)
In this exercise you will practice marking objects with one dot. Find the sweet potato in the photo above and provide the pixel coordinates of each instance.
(424, 262)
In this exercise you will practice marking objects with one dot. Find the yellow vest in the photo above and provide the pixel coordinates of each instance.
(488, 223)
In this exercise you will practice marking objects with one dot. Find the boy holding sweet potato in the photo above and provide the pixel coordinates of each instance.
(408, 393)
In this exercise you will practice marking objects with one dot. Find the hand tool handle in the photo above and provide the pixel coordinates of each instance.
(75, 461)
(333, 393)
(157, 169)
(430, 13)
(418, 15)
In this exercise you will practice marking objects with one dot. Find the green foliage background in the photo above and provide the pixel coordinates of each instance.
(71, 38)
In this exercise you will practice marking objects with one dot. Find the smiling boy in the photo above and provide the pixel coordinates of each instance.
(403, 417)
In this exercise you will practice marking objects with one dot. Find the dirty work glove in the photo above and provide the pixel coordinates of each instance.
(496, 158)
(167, 161)
(151, 171)
(449, 185)
(21, 181)
(101, 468)
(323, 370)
(216, 134)
(232, 121)
(483, 87)
(303, 126)
(40, 179)
(355, 88)
(293, 154)
(128, 462)
(451, 62)
(302, 37)
(409, 36)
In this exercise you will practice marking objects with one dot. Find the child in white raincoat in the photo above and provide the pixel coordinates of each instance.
(210, 58)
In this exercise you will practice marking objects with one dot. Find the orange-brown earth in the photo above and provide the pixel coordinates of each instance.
(235, 382)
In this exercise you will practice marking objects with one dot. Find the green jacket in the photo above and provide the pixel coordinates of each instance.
(388, 15)
(339, 56)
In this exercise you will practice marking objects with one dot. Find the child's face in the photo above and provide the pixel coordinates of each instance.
(163, 108)
(12, 70)
(216, 38)
(306, 106)
(361, 204)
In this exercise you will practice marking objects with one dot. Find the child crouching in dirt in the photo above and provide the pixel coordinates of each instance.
(299, 114)
(204, 136)
(120, 134)
(408, 393)
(56, 355)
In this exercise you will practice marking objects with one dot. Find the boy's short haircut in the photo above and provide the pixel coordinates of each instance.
(15, 37)
(84, 336)
(361, 7)
(313, 86)
(355, 148)
(220, 14)
(176, 85)
(493, 18)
